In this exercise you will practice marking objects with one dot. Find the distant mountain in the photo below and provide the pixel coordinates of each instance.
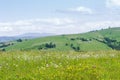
(34, 35)
(5, 38)
(24, 36)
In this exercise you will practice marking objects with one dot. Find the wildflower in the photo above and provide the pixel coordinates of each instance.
(47, 65)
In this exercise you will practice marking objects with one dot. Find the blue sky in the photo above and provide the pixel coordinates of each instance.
(57, 16)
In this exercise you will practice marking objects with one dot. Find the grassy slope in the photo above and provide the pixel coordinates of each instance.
(61, 40)
(113, 33)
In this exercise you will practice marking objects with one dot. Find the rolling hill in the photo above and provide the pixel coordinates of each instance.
(104, 39)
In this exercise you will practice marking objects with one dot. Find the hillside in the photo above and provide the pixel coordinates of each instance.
(105, 39)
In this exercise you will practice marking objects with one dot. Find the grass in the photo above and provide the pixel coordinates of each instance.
(59, 65)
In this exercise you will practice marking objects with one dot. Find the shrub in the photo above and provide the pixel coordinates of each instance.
(66, 44)
(19, 40)
(72, 39)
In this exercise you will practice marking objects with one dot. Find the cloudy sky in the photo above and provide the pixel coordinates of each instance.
(57, 16)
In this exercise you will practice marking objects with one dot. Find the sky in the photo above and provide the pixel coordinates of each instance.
(57, 16)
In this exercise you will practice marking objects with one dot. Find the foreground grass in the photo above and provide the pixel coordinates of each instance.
(42, 65)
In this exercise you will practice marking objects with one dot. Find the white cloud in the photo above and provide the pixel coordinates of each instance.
(112, 3)
(96, 25)
(56, 21)
(88, 26)
(5, 29)
(81, 9)
(54, 25)
(49, 25)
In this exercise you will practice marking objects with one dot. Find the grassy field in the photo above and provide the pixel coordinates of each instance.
(60, 65)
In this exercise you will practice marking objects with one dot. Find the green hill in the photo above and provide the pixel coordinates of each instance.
(105, 39)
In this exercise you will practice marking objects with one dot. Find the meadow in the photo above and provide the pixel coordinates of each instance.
(60, 65)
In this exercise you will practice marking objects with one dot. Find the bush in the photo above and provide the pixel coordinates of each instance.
(83, 39)
(112, 43)
(47, 45)
(72, 39)
(19, 40)
(78, 48)
(75, 48)
(66, 44)
(50, 45)
(3, 49)
(71, 45)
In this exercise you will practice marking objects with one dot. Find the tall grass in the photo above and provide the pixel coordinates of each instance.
(53, 65)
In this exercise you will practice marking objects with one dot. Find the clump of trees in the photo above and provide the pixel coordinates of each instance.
(50, 45)
(108, 40)
(66, 44)
(82, 39)
(72, 39)
(19, 40)
(5, 44)
(76, 48)
(47, 46)
(2, 49)
(114, 44)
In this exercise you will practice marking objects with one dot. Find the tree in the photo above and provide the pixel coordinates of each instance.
(50, 45)
(3, 49)
(72, 39)
(66, 44)
(19, 40)
(54, 45)
(47, 45)
(78, 48)
(83, 39)
(71, 45)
